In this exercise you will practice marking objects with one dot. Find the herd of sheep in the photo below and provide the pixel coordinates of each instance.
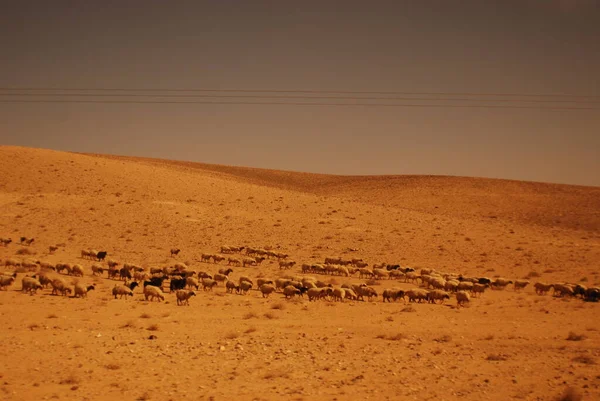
(431, 286)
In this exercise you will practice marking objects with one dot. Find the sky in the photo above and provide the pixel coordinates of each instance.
(545, 48)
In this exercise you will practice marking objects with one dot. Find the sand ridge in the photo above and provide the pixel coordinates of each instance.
(506, 345)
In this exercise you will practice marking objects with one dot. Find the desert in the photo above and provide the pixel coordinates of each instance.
(508, 341)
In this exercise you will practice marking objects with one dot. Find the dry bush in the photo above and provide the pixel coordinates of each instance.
(232, 335)
(128, 324)
(112, 366)
(270, 315)
(446, 338)
(489, 337)
(71, 379)
(153, 327)
(250, 315)
(278, 306)
(372, 282)
(575, 337)
(274, 374)
(25, 251)
(395, 337)
(250, 329)
(497, 357)
(532, 274)
(145, 316)
(570, 394)
(584, 359)
(52, 316)
(33, 326)
(408, 308)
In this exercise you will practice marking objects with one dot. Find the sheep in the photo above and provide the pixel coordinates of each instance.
(208, 284)
(30, 285)
(226, 272)
(261, 281)
(563, 289)
(396, 274)
(244, 278)
(392, 294)
(234, 261)
(175, 252)
(465, 286)
(451, 285)
(478, 289)
(249, 261)
(12, 262)
(350, 294)
(365, 272)
(191, 282)
(230, 286)
(81, 290)
(218, 258)
(369, 292)
(183, 297)
(205, 257)
(462, 298)
(500, 283)
(5, 241)
(316, 293)
(520, 284)
(435, 295)
(542, 288)
(63, 266)
(6, 281)
(416, 294)
(220, 277)
(592, 294)
(289, 291)
(286, 264)
(153, 292)
(122, 290)
(245, 286)
(52, 249)
(77, 270)
(412, 277)
(155, 281)
(259, 259)
(381, 274)
(60, 286)
(266, 290)
(44, 280)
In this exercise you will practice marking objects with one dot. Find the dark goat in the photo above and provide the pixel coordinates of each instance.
(392, 267)
(175, 251)
(177, 284)
(125, 274)
(132, 285)
(101, 255)
(155, 281)
(484, 280)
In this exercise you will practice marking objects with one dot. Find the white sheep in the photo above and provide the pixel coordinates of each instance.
(462, 297)
(191, 282)
(60, 286)
(501, 283)
(392, 294)
(520, 284)
(230, 286)
(122, 291)
(542, 288)
(208, 284)
(289, 291)
(6, 281)
(183, 296)
(339, 294)
(30, 285)
(81, 290)
(437, 295)
(152, 292)
(77, 270)
(266, 290)
(416, 294)
(245, 286)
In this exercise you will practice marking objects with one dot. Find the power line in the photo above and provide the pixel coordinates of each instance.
(145, 95)
(300, 104)
(391, 93)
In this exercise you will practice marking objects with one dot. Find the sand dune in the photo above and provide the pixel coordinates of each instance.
(506, 345)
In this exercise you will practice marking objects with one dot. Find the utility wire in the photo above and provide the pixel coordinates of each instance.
(145, 95)
(300, 104)
(539, 95)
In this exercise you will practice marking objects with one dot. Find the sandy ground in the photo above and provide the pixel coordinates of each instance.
(505, 345)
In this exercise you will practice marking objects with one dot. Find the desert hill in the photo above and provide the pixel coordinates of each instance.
(506, 345)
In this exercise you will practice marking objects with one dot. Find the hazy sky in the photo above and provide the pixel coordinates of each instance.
(521, 47)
